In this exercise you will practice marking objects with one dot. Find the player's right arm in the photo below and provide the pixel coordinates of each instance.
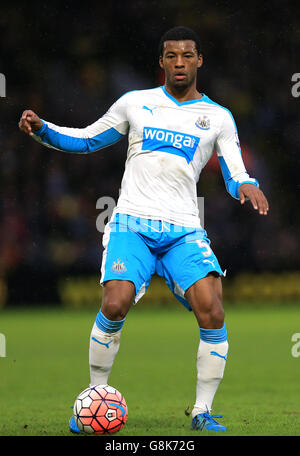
(106, 131)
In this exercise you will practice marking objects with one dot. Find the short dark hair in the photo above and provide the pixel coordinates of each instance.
(178, 34)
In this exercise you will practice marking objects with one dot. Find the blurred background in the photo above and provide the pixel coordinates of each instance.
(69, 64)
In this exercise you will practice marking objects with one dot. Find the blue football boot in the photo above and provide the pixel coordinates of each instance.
(73, 426)
(206, 421)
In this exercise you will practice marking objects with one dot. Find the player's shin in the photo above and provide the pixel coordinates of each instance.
(211, 360)
(104, 346)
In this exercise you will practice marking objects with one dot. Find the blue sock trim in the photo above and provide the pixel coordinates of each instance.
(213, 336)
(106, 325)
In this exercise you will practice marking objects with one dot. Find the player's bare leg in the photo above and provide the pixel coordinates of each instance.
(205, 299)
(118, 296)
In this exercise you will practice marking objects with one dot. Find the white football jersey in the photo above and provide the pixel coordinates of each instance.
(169, 143)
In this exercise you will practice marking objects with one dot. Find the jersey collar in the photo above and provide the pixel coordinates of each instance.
(183, 103)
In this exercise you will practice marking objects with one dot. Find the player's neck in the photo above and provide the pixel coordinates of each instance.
(182, 94)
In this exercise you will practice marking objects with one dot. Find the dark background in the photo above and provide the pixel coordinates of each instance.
(70, 63)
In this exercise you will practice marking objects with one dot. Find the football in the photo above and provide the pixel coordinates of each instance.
(100, 410)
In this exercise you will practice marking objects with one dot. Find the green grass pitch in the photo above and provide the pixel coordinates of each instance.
(46, 366)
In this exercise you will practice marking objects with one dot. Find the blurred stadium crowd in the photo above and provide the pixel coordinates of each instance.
(69, 64)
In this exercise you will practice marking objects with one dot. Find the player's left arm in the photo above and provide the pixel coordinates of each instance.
(238, 182)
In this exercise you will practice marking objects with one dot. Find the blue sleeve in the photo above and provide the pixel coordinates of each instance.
(232, 184)
(80, 145)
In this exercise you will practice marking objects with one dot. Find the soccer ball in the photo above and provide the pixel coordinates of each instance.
(100, 410)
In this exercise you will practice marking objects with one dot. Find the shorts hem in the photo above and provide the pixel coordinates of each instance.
(139, 290)
(202, 276)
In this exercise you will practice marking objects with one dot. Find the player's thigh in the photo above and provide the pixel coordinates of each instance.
(127, 267)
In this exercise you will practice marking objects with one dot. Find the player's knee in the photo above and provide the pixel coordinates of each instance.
(212, 315)
(117, 299)
(217, 317)
(114, 309)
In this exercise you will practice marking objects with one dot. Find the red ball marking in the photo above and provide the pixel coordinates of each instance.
(94, 395)
(116, 424)
(85, 412)
(96, 426)
(94, 406)
(103, 421)
(102, 409)
(86, 421)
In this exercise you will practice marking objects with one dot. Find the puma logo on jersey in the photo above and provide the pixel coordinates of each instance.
(149, 109)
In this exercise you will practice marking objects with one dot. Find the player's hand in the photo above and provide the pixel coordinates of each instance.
(256, 197)
(30, 122)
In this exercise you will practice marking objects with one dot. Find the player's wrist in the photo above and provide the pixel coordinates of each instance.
(41, 129)
(252, 181)
(37, 125)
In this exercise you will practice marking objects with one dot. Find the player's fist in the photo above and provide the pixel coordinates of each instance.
(30, 122)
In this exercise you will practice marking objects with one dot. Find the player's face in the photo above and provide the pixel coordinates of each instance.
(180, 61)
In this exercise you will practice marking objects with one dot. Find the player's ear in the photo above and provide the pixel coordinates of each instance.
(200, 61)
(161, 64)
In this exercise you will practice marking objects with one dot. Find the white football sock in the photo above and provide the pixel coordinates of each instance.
(103, 349)
(211, 360)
